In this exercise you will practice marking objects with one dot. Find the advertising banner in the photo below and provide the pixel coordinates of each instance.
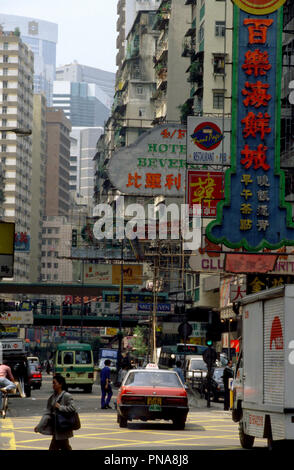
(132, 274)
(97, 273)
(255, 185)
(208, 140)
(17, 318)
(205, 188)
(154, 165)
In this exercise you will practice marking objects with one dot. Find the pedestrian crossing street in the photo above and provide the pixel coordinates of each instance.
(100, 431)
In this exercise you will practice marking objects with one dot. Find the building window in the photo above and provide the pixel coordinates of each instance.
(218, 99)
(5, 46)
(219, 64)
(4, 109)
(139, 90)
(5, 71)
(4, 97)
(201, 33)
(5, 84)
(5, 59)
(141, 112)
(3, 148)
(220, 28)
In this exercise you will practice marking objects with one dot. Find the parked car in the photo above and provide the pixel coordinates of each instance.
(34, 375)
(151, 394)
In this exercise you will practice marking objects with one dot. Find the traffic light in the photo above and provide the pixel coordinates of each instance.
(214, 328)
(74, 238)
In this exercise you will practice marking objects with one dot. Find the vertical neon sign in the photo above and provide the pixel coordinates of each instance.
(254, 214)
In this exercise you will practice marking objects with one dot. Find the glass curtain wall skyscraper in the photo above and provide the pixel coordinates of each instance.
(41, 37)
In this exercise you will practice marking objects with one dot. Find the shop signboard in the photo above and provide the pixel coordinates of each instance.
(204, 188)
(208, 140)
(153, 165)
(255, 185)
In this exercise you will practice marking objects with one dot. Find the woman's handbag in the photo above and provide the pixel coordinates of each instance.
(67, 421)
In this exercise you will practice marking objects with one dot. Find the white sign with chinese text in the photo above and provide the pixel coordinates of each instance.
(153, 165)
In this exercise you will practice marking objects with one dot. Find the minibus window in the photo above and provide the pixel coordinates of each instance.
(68, 358)
(83, 357)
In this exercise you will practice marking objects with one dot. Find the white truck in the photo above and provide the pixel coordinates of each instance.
(263, 387)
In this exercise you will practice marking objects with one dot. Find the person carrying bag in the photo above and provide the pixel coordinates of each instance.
(60, 418)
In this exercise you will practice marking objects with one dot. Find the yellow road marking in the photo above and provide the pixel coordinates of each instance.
(7, 439)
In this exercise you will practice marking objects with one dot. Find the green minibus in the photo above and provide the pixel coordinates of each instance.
(74, 361)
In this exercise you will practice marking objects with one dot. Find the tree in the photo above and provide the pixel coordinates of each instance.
(139, 342)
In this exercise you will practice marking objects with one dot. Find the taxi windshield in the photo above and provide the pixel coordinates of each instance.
(145, 379)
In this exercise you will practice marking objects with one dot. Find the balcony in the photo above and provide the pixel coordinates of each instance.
(196, 73)
(188, 47)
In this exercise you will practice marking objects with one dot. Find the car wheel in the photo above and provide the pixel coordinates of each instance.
(123, 422)
(245, 440)
(179, 423)
(88, 388)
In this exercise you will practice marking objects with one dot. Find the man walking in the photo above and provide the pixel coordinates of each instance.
(105, 384)
(228, 373)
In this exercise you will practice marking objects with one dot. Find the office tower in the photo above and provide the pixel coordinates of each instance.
(78, 73)
(85, 104)
(16, 111)
(58, 163)
(41, 36)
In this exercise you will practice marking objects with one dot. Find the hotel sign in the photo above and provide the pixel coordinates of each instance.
(255, 185)
(154, 165)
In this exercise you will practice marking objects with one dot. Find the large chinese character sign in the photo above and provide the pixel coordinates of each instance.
(254, 214)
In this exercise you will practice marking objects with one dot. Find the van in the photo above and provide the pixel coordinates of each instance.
(75, 363)
(196, 370)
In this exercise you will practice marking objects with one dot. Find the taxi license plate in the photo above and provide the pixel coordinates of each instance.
(154, 403)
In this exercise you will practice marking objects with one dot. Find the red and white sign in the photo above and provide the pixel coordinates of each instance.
(237, 292)
(205, 188)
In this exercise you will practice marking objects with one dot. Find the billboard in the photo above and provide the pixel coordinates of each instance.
(205, 188)
(153, 165)
(6, 249)
(255, 185)
(208, 140)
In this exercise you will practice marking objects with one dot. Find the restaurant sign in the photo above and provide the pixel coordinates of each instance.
(153, 165)
(255, 185)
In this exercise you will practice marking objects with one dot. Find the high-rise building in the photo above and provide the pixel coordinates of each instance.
(85, 104)
(39, 153)
(58, 163)
(16, 111)
(41, 36)
(127, 11)
(76, 72)
(83, 150)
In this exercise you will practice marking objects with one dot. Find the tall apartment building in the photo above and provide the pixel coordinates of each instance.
(56, 248)
(127, 11)
(83, 149)
(84, 104)
(58, 163)
(41, 37)
(172, 88)
(16, 111)
(39, 155)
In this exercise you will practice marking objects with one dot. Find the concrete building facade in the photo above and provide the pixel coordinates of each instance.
(39, 154)
(58, 163)
(16, 111)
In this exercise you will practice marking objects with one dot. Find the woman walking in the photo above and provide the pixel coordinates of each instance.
(59, 401)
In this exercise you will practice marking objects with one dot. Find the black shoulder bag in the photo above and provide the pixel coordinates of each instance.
(67, 421)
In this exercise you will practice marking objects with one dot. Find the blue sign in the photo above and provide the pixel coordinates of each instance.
(254, 214)
(149, 307)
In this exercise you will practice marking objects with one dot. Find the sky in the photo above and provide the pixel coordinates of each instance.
(86, 28)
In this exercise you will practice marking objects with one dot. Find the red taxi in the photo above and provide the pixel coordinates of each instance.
(150, 394)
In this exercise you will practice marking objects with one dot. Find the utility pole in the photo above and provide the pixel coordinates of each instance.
(121, 302)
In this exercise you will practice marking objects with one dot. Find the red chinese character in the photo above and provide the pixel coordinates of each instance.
(254, 124)
(256, 94)
(153, 180)
(172, 180)
(23, 237)
(256, 62)
(133, 180)
(165, 134)
(182, 133)
(258, 29)
(255, 157)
